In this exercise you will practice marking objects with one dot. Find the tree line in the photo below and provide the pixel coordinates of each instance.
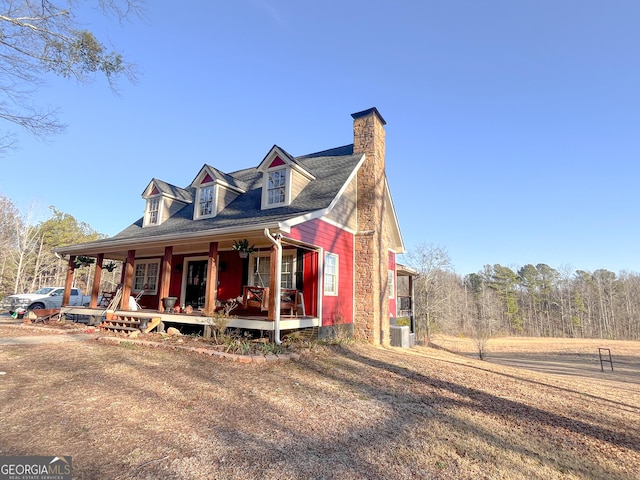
(531, 300)
(27, 261)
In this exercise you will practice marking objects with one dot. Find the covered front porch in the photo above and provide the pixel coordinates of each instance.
(203, 276)
(96, 316)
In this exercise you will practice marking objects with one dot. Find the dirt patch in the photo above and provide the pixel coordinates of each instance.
(13, 330)
(351, 412)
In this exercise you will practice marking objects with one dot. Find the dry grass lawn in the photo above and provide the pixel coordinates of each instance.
(350, 412)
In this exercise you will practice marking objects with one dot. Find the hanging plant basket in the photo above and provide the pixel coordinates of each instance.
(82, 261)
(110, 267)
(243, 248)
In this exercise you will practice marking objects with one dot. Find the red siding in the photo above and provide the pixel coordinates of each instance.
(310, 282)
(230, 267)
(393, 301)
(229, 275)
(175, 284)
(335, 309)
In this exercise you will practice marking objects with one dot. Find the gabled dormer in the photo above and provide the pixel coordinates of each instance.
(282, 178)
(214, 190)
(163, 200)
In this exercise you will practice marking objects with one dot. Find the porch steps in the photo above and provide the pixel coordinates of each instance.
(120, 325)
(116, 328)
(128, 324)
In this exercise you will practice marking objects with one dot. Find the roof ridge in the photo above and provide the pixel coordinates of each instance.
(330, 152)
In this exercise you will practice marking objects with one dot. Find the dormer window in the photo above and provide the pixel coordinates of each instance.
(163, 200)
(214, 191)
(205, 201)
(277, 187)
(153, 211)
(282, 179)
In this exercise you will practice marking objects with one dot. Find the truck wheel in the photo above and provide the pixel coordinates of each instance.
(36, 306)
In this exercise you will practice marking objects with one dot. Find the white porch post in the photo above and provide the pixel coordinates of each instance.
(275, 282)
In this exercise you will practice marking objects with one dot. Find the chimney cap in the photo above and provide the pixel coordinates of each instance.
(369, 111)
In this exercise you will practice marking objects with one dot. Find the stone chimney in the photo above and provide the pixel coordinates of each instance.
(372, 247)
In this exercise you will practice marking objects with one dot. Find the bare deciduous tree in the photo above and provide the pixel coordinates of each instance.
(27, 239)
(488, 310)
(431, 289)
(8, 214)
(37, 38)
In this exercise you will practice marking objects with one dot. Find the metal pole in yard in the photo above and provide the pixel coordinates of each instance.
(607, 352)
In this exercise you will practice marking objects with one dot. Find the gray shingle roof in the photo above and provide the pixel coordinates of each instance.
(331, 168)
(184, 195)
(226, 178)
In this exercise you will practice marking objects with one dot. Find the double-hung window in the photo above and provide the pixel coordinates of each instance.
(205, 203)
(261, 265)
(277, 186)
(330, 274)
(145, 276)
(153, 210)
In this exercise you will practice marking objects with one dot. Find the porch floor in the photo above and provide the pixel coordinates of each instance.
(249, 322)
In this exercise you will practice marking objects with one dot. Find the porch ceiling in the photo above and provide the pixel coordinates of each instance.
(154, 247)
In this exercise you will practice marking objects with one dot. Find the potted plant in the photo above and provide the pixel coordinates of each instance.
(243, 248)
(168, 303)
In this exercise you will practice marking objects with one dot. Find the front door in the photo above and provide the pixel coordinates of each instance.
(196, 284)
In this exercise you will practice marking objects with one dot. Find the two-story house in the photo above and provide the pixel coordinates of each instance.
(322, 227)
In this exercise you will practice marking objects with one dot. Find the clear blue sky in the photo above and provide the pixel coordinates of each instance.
(513, 127)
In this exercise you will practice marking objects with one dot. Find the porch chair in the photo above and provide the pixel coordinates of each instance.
(106, 299)
(289, 301)
(300, 304)
(256, 297)
(292, 300)
(137, 298)
(114, 303)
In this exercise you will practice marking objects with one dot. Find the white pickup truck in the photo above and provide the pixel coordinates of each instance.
(46, 297)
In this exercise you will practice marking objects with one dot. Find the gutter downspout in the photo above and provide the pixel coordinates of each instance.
(276, 241)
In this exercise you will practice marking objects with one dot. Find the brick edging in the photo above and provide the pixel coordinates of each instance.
(205, 351)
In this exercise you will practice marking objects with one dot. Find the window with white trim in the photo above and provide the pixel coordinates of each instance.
(145, 276)
(261, 270)
(392, 284)
(205, 201)
(330, 274)
(153, 211)
(277, 185)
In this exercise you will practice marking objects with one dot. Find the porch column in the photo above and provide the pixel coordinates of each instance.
(211, 290)
(412, 317)
(66, 296)
(128, 280)
(165, 281)
(97, 277)
(273, 279)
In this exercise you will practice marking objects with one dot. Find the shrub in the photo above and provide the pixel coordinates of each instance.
(403, 322)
